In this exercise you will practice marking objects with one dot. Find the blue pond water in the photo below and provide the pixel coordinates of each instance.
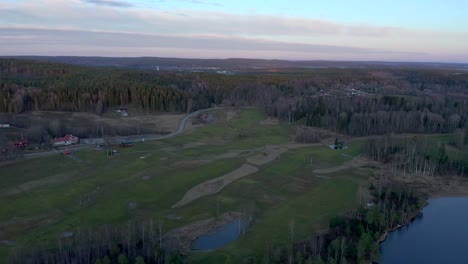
(218, 237)
(438, 235)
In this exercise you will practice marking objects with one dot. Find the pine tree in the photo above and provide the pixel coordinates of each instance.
(122, 259)
(140, 260)
(106, 260)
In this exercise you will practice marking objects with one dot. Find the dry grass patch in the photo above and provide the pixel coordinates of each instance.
(354, 163)
(227, 155)
(230, 115)
(215, 185)
(270, 121)
(268, 154)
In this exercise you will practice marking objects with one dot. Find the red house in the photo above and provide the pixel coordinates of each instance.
(65, 141)
(21, 144)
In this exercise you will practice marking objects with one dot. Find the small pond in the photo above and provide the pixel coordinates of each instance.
(438, 235)
(219, 237)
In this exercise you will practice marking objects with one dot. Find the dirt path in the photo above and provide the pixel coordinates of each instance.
(266, 155)
(215, 185)
(270, 153)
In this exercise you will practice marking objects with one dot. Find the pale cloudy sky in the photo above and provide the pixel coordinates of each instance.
(397, 30)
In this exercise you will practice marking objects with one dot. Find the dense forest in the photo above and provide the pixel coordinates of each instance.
(357, 102)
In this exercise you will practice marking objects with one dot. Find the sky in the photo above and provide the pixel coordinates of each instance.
(363, 30)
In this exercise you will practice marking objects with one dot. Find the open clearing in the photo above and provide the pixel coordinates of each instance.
(206, 166)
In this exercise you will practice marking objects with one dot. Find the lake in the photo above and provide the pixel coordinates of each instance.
(438, 235)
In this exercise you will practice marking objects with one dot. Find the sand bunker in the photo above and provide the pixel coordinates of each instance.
(215, 185)
(270, 153)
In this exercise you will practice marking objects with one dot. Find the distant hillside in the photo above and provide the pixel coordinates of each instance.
(228, 64)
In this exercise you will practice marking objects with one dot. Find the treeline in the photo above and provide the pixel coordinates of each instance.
(362, 116)
(354, 238)
(353, 101)
(140, 243)
(29, 86)
(418, 156)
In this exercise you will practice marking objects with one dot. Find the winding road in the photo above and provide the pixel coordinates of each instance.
(149, 137)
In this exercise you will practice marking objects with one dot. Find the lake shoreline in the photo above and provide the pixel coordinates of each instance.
(384, 236)
(458, 187)
(434, 235)
(184, 236)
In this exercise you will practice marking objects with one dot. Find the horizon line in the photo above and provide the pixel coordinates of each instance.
(238, 58)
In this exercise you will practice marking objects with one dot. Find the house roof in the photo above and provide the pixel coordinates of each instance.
(65, 138)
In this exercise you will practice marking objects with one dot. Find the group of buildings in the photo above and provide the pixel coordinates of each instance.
(67, 140)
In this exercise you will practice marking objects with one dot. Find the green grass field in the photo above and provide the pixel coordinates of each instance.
(44, 197)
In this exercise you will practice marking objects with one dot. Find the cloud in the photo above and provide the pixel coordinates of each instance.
(198, 2)
(23, 41)
(189, 32)
(206, 3)
(113, 3)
